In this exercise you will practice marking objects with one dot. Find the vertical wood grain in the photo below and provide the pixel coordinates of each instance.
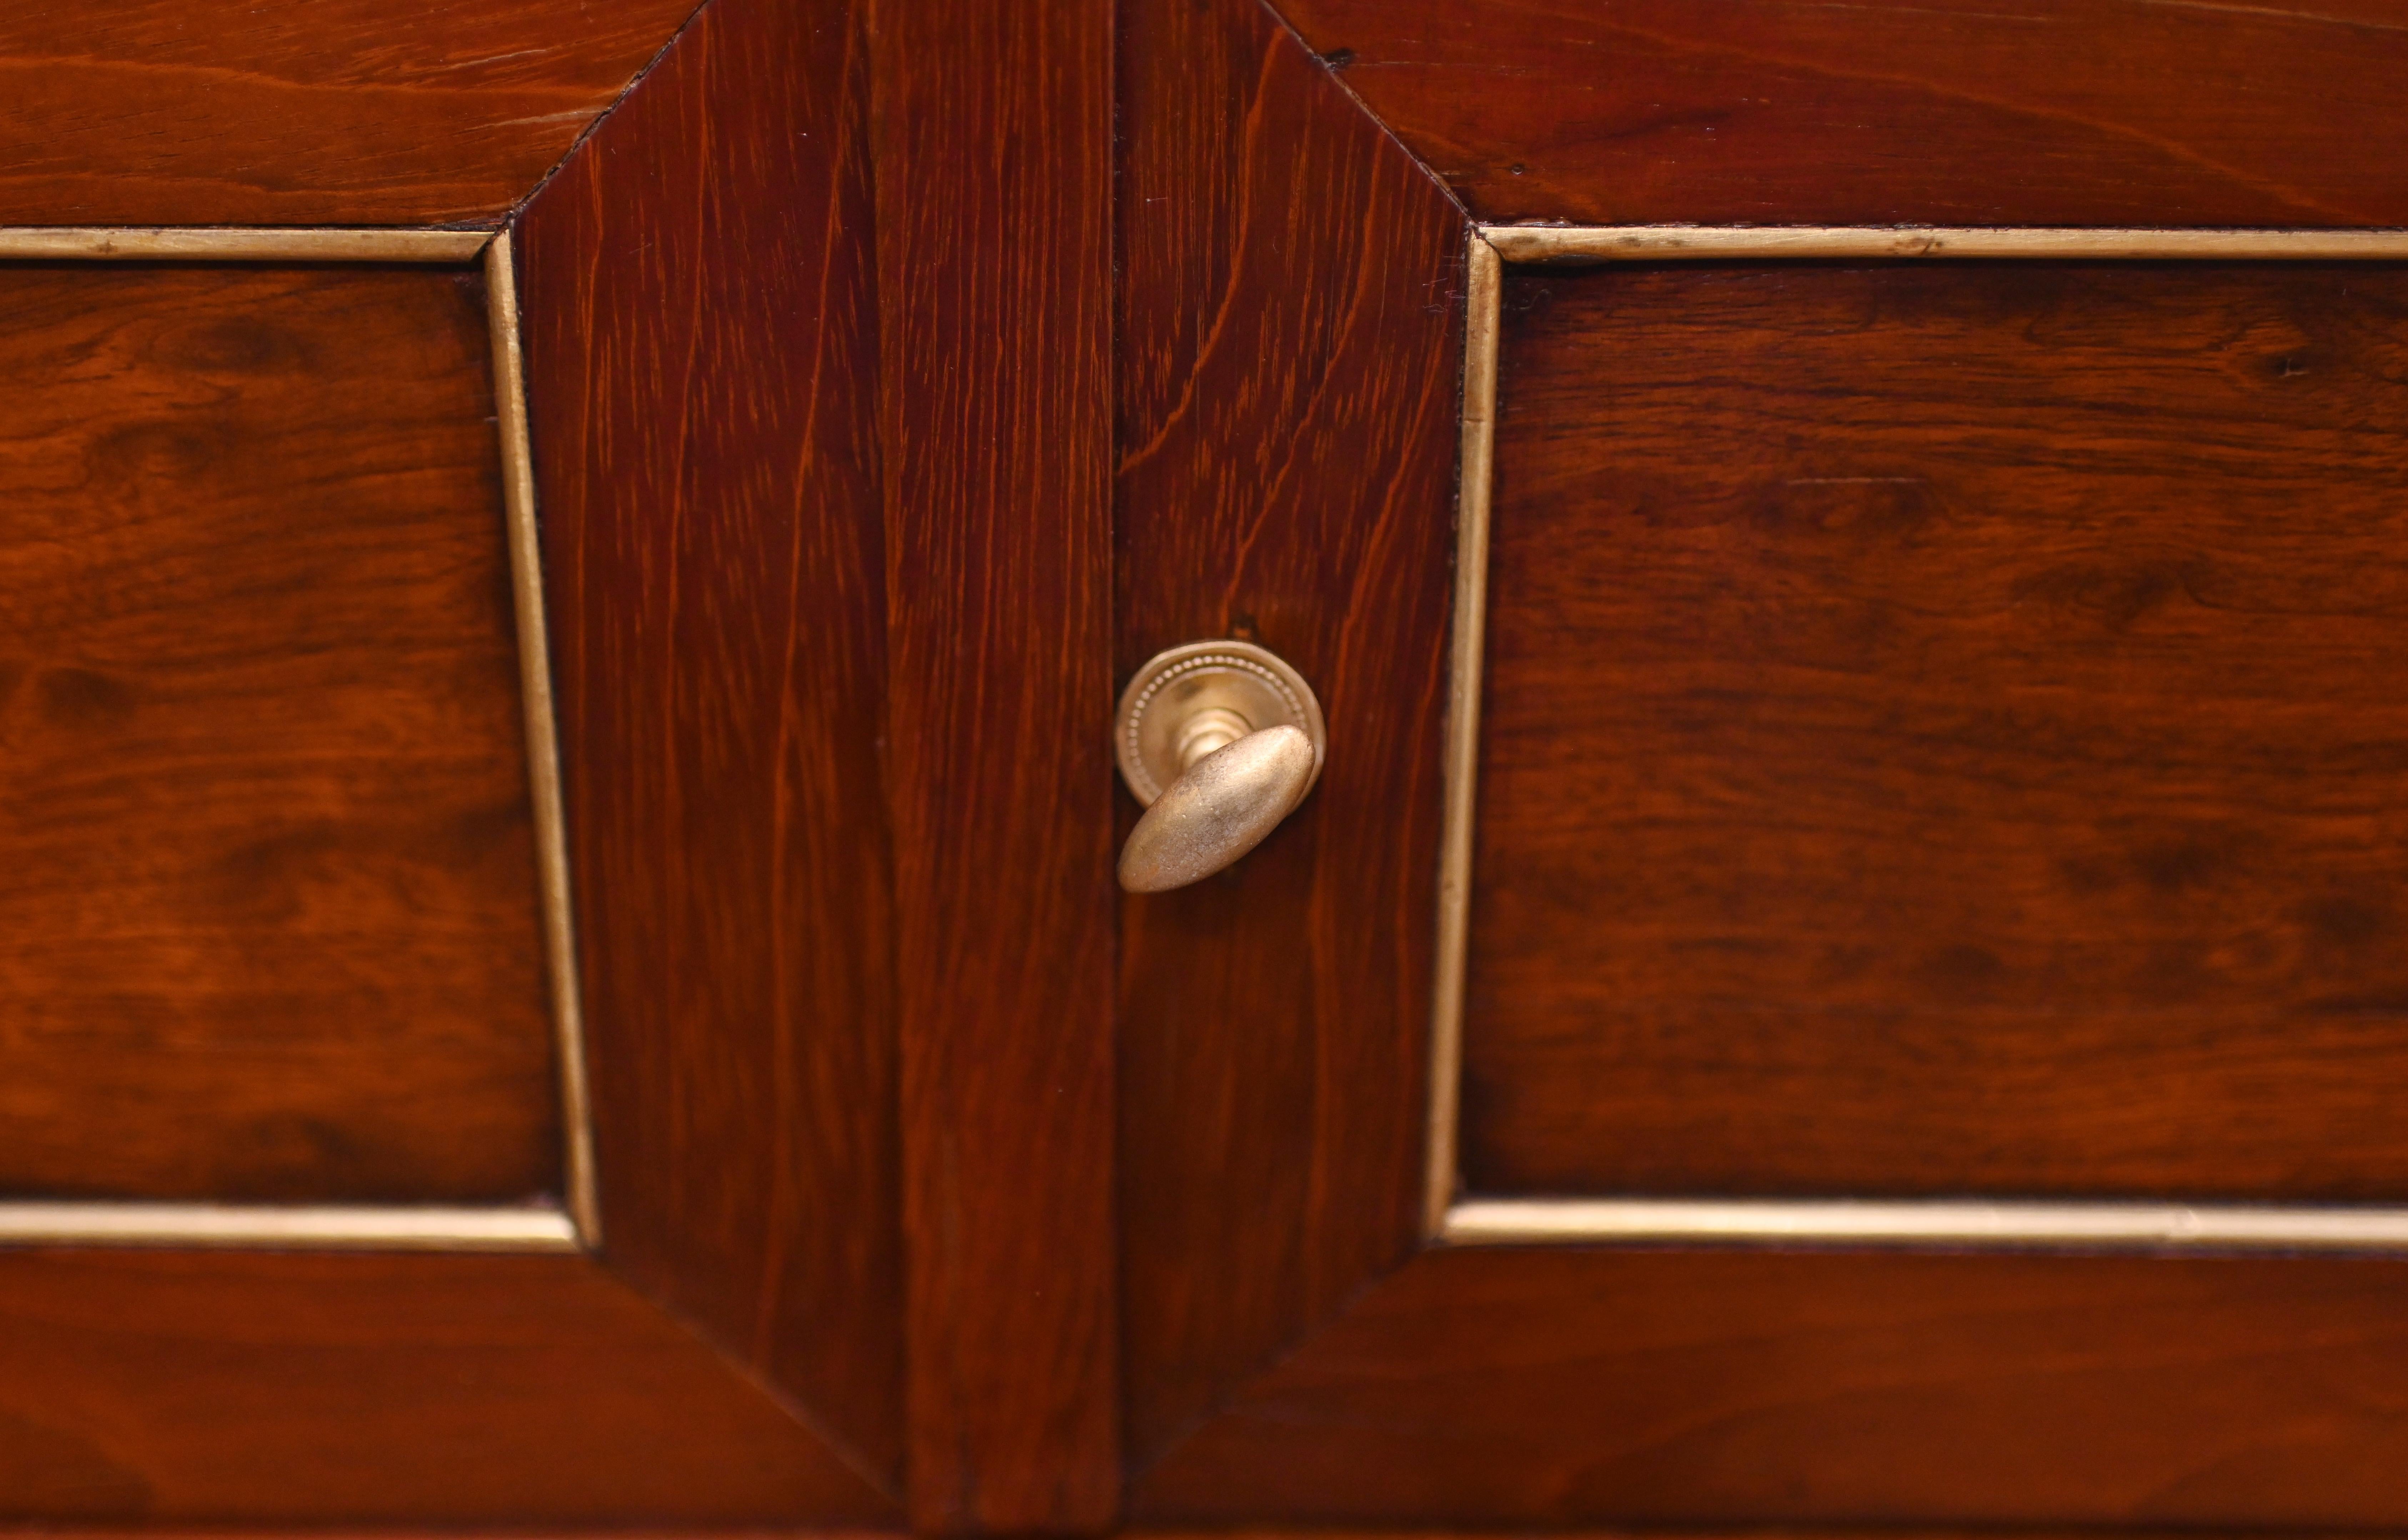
(1288, 380)
(993, 134)
(700, 327)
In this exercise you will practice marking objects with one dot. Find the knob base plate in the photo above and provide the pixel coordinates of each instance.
(1173, 687)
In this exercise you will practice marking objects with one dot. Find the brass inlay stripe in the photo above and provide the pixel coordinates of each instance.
(316, 1227)
(1533, 1222)
(1484, 278)
(1536, 1221)
(73, 243)
(1673, 242)
(542, 740)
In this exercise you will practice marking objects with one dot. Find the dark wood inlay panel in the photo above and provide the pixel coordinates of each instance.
(193, 1388)
(1926, 111)
(993, 133)
(701, 335)
(1560, 1387)
(1288, 335)
(1944, 734)
(268, 892)
(298, 113)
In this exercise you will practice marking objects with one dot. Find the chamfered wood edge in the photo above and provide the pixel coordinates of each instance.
(1529, 1221)
(1737, 243)
(359, 1226)
(57, 243)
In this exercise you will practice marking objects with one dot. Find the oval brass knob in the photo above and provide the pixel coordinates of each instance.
(1218, 811)
(1219, 740)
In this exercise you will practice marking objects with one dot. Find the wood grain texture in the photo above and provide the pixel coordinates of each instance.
(298, 112)
(1288, 379)
(994, 136)
(210, 1389)
(701, 343)
(1566, 1387)
(1943, 735)
(269, 921)
(1943, 112)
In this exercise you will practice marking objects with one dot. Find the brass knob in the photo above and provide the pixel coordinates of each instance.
(1218, 741)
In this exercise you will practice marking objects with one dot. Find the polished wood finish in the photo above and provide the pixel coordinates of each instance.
(334, 1391)
(1564, 1387)
(1926, 111)
(269, 906)
(298, 113)
(995, 377)
(700, 340)
(1941, 737)
(1286, 333)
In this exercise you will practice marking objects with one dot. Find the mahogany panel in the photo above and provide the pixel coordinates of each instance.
(303, 112)
(1559, 1387)
(268, 915)
(701, 335)
(1288, 380)
(1937, 111)
(994, 131)
(1943, 733)
(200, 1389)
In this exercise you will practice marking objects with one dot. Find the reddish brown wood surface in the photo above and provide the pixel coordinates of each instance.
(268, 915)
(301, 112)
(1560, 1387)
(701, 334)
(1287, 324)
(1944, 734)
(994, 139)
(1945, 111)
(192, 1389)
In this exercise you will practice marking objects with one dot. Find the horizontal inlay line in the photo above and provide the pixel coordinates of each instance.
(317, 1227)
(75, 243)
(1951, 1222)
(1667, 242)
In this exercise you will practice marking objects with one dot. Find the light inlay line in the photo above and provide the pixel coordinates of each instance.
(315, 1227)
(1676, 242)
(1483, 283)
(81, 244)
(542, 739)
(1528, 1221)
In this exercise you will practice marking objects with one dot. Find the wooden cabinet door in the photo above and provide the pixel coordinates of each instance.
(1876, 1000)
(564, 575)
